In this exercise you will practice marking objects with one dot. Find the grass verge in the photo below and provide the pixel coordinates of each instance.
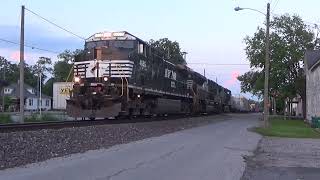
(43, 118)
(288, 128)
(5, 118)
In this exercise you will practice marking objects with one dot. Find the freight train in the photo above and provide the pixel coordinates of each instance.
(121, 75)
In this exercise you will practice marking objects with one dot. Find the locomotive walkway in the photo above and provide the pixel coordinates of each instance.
(210, 152)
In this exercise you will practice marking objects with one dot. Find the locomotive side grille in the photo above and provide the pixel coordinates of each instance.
(189, 84)
(118, 68)
(110, 68)
(80, 69)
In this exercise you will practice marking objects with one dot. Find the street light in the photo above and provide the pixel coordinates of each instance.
(266, 67)
(239, 9)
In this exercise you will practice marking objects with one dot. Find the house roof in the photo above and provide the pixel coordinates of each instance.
(312, 58)
(16, 91)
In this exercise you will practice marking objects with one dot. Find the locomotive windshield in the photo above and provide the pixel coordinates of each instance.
(126, 44)
(108, 50)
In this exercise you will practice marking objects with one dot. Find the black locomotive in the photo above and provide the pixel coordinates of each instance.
(120, 75)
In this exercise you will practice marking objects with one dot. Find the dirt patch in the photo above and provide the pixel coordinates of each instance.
(284, 158)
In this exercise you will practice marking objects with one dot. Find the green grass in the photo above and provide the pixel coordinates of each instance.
(43, 118)
(288, 128)
(5, 118)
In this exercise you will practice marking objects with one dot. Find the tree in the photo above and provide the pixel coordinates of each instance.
(289, 39)
(48, 87)
(170, 49)
(63, 67)
(12, 72)
(43, 66)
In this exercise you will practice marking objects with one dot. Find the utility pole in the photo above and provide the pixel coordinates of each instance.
(22, 66)
(266, 73)
(40, 93)
(4, 79)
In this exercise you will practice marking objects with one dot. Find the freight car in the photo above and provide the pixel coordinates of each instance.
(121, 75)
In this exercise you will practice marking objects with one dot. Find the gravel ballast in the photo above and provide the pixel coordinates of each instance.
(21, 148)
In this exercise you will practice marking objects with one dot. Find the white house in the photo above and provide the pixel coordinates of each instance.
(312, 69)
(31, 95)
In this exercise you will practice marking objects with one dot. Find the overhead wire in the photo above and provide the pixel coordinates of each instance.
(38, 48)
(64, 29)
(29, 46)
(275, 5)
(213, 64)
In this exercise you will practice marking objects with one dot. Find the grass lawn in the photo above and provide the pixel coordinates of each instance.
(44, 118)
(288, 128)
(5, 118)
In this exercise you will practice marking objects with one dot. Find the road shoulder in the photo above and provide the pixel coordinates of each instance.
(284, 158)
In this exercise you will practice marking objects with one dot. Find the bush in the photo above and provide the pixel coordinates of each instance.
(5, 118)
(43, 118)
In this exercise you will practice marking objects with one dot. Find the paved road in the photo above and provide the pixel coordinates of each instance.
(210, 152)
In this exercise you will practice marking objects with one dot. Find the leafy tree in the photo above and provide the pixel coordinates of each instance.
(62, 70)
(170, 49)
(12, 72)
(289, 39)
(63, 67)
(43, 66)
(48, 87)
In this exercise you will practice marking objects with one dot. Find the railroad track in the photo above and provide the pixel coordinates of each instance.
(4, 128)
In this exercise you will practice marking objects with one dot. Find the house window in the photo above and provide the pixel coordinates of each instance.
(7, 90)
(141, 48)
(47, 102)
(30, 102)
(32, 91)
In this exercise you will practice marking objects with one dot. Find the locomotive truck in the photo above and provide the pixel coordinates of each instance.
(119, 74)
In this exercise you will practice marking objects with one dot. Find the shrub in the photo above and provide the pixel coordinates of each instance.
(5, 118)
(43, 118)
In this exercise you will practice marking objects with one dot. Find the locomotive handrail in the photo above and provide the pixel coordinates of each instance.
(117, 65)
(122, 82)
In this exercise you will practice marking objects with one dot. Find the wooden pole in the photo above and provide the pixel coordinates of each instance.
(21, 82)
(266, 71)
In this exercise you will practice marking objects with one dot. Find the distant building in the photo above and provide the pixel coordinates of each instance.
(312, 69)
(294, 107)
(61, 93)
(31, 95)
(240, 104)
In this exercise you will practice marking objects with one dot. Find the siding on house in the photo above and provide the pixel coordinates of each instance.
(312, 69)
(31, 95)
(313, 93)
(32, 104)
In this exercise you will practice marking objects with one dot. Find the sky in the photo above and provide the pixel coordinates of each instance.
(209, 30)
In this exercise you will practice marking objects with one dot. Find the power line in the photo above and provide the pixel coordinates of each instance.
(29, 46)
(275, 5)
(212, 64)
(55, 24)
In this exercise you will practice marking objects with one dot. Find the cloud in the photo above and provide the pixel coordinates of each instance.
(37, 37)
(233, 79)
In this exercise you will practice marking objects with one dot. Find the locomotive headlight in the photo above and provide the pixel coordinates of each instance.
(105, 78)
(77, 79)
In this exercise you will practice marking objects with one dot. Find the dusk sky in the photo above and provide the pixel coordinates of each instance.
(209, 30)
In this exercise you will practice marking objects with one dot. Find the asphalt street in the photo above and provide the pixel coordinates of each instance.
(214, 151)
